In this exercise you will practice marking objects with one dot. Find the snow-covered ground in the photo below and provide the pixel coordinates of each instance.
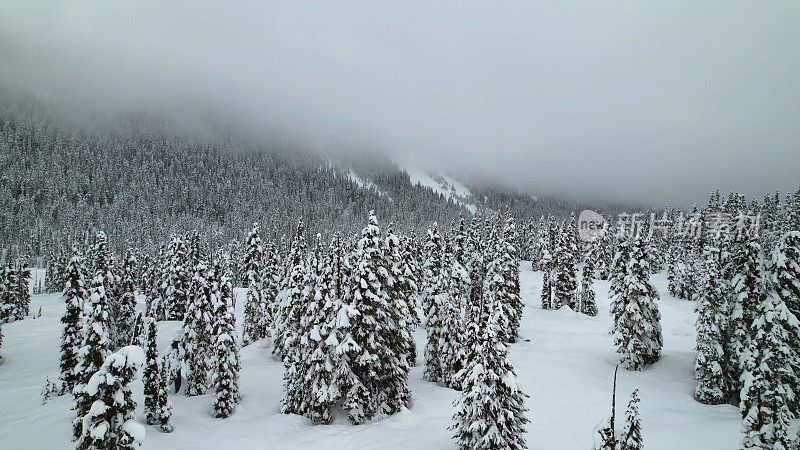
(564, 360)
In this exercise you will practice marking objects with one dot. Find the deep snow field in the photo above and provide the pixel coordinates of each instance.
(564, 360)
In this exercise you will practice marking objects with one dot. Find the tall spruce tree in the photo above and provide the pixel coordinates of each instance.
(381, 373)
(75, 296)
(747, 290)
(490, 413)
(771, 377)
(291, 297)
(255, 308)
(225, 379)
(152, 374)
(125, 310)
(95, 347)
(510, 257)
(586, 298)
(637, 330)
(711, 324)
(434, 301)
(196, 341)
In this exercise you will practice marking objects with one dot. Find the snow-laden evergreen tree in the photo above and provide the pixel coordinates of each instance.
(226, 373)
(109, 423)
(177, 279)
(152, 374)
(631, 437)
(616, 278)
(785, 271)
(196, 342)
(400, 289)
(452, 350)
(434, 301)
(126, 303)
(547, 264)
(75, 295)
(475, 315)
(255, 308)
(95, 346)
(315, 379)
(746, 292)
(490, 413)
(513, 299)
(164, 403)
(155, 289)
(771, 377)
(586, 297)
(103, 261)
(296, 347)
(8, 293)
(535, 244)
(711, 321)
(564, 281)
(291, 297)
(271, 278)
(381, 374)
(637, 330)
(22, 305)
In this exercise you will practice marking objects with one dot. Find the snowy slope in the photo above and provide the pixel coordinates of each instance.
(566, 368)
(449, 187)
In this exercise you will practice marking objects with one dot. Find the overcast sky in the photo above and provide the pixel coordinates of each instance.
(645, 101)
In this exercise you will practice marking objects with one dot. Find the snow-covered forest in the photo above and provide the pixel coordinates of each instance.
(351, 330)
(399, 225)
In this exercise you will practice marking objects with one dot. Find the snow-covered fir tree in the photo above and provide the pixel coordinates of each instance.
(564, 281)
(22, 304)
(177, 279)
(400, 289)
(631, 436)
(163, 402)
(256, 312)
(490, 412)
(381, 375)
(637, 328)
(434, 301)
(296, 345)
(196, 342)
(513, 299)
(452, 350)
(152, 374)
(616, 278)
(586, 297)
(8, 293)
(746, 291)
(226, 348)
(711, 322)
(548, 265)
(785, 271)
(95, 347)
(109, 423)
(290, 301)
(75, 295)
(125, 309)
(771, 377)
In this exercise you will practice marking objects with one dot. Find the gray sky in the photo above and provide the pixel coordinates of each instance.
(645, 101)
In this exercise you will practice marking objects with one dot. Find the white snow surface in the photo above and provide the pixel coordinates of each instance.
(364, 184)
(449, 188)
(564, 361)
